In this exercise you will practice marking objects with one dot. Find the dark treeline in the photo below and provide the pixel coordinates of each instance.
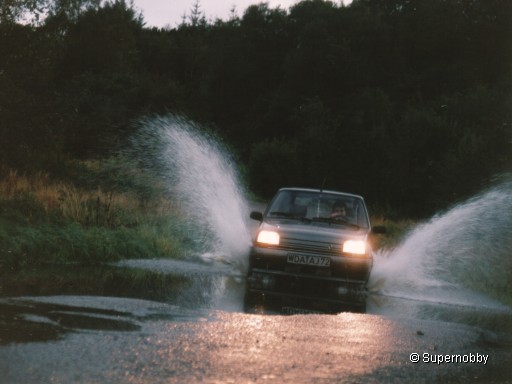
(407, 102)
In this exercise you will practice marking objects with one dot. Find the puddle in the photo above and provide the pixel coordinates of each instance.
(39, 319)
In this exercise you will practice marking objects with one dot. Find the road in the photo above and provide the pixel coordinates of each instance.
(112, 340)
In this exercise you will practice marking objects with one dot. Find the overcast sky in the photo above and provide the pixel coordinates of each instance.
(161, 13)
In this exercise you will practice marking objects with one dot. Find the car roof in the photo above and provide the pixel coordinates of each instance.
(320, 191)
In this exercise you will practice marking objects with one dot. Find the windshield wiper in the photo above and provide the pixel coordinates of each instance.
(283, 214)
(288, 215)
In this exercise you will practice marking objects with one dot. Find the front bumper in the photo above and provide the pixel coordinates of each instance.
(271, 276)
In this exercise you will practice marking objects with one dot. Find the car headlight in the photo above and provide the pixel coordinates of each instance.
(268, 237)
(357, 247)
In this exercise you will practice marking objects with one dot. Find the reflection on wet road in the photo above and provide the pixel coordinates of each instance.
(211, 285)
(33, 319)
(200, 334)
(163, 345)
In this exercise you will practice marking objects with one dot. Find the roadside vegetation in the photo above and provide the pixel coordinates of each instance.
(45, 221)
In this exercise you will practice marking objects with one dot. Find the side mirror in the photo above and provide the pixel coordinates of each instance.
(379, 230)
(256, 216)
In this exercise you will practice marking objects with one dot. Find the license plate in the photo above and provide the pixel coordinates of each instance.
(317, 261)
(298, 311)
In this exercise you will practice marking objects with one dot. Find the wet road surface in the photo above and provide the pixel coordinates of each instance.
(144, 342)
(94, 339)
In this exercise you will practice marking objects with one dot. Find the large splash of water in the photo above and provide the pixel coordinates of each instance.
(202, 177)
(463, 256)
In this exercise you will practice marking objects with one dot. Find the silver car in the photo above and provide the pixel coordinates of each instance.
(311, 251)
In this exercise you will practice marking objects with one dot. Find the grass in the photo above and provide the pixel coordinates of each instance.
(45, 221)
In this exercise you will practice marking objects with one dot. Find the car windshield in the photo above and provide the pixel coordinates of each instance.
(319, 207)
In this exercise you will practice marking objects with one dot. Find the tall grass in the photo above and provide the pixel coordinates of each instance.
(48, 221)
(86, 207)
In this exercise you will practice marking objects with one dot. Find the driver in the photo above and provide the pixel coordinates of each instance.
(339, 211)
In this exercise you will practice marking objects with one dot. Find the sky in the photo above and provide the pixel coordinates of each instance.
(163, 13)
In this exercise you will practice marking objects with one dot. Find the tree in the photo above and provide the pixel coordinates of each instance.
(35, 11)
(196, 18)
(12, 11)
(404, 101)
(101, 80)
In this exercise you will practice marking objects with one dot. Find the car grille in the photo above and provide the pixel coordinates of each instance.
(288, 244)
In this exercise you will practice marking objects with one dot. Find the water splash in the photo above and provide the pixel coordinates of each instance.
(201, 176)
(463, 256)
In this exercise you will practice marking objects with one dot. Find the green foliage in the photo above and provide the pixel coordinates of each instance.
(274, 163)
(43, 221)
(406, 102)
(29, 243)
